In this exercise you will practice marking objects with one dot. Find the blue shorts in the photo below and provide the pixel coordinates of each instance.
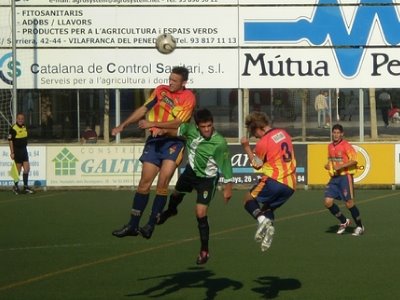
(271, 192)
(340, 188)
(157, 150)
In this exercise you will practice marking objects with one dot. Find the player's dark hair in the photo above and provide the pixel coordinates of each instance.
(337, 127)
(181, 71)
(203, 115)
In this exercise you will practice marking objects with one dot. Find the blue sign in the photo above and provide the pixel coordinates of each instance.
(327, 24)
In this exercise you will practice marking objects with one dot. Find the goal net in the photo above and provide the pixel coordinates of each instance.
(6, 89)
(6, 100)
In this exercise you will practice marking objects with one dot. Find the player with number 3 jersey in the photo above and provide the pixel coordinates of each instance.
(275, 150)
(274, 156)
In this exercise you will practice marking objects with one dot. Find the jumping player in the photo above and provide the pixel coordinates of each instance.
(167, 107)
(274, 156)
(208, 155)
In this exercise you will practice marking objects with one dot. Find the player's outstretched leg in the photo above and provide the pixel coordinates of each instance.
(269, 234)
(204, 232)
(158, 205)
(165, 215)
(174, 200)
(132, 228)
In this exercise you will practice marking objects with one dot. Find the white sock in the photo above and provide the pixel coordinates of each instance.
(260, 219)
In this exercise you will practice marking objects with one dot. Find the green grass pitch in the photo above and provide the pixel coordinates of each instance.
(58, 245)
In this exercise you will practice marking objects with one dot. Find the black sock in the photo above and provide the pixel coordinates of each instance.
(204, 231)
(268, 212)
(253, 208)
(174, 201)
(355, 213)
(334, 209)
(25, 179)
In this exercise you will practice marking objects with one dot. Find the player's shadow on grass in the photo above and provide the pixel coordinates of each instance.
(270, 286)
(334, 229)
(195, 278)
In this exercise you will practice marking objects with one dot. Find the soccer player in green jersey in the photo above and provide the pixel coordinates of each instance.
(208, 154)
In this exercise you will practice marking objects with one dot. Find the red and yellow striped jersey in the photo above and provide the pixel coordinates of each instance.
(276, 150)
(341, 153)
(164, 105)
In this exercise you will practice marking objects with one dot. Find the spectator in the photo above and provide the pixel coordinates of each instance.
(385, 104)
(321, 106)
(350, 105)
(89, 136)
(394, 114)
(47, 126)
(342, 105)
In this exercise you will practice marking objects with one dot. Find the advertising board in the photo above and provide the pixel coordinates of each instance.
(242, 44)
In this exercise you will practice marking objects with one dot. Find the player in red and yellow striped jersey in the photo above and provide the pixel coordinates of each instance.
(342, 165)
(275, 149)
(274, 156)
(167, 107)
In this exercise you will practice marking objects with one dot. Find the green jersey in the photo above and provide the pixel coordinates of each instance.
(207, 156)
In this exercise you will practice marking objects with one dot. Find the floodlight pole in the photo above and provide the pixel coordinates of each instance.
(14, 60)
(117, 113)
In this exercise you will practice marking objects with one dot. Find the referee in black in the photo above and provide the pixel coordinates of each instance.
(18, 140)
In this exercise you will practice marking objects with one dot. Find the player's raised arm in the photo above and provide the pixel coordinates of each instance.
(254, 160)
(133, 118)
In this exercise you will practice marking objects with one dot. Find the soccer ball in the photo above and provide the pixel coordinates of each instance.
(165, 43)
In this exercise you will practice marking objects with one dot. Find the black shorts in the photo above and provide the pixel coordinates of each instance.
(205, 187)
(20, 155)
